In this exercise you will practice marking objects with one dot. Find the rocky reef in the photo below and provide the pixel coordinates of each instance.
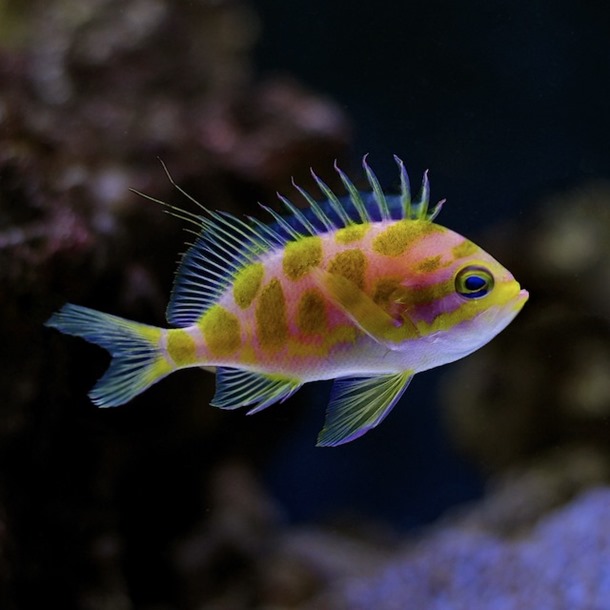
(560, 563)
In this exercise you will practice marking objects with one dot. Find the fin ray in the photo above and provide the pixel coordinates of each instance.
(239, 388)
(227, 243)
(136, 363)
(358, 404)
(368, 315)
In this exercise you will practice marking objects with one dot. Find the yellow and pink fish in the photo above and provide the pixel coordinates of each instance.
(366, 290)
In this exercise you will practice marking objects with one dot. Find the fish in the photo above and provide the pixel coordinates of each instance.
(363, 289)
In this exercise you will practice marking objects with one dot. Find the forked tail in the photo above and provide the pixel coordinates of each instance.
(137, 360)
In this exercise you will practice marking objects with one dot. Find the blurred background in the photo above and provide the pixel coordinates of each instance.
(168, 503)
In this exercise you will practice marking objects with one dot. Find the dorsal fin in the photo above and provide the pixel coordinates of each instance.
(225, 243)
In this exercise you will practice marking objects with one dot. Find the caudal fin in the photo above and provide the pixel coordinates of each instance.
(137, 361)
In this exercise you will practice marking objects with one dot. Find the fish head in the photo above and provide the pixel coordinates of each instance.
(457, 295)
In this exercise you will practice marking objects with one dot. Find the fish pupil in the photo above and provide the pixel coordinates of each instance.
(474, 283)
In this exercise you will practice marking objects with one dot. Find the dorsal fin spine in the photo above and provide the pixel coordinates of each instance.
(333, 199)
(315, 208)
(252, 241)
(424, 196)
(405, 188)
(225, 243)
(218, 239)
(354, 195)
(297, 214)
(378, 193)
(274, 238)
(281, 221)
(436, 209)
(229, 235)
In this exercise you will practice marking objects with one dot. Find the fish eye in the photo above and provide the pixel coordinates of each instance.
(474, 282)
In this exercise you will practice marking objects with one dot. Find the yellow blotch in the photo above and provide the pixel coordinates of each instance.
(159, 368)
(427, 265)
(247, 355)
(271, 324)
(181, 347)
(301, 256)
(220, 330)
(446, 321)
(350, 264)
(466, 248)
(370, 317)
(150, 333)
(431, 292)
(311, 314)
(384, 289)
(337, 336)
(342, 334)
(351, 234)
(301, 349)
(394, 240)
(247, 283)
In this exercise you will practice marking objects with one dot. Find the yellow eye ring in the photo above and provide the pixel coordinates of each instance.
(474, 282)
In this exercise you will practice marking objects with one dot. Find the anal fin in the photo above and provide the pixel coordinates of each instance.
(358, 404)
(238, 388)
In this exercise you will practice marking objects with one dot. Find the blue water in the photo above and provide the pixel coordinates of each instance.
(405, 472)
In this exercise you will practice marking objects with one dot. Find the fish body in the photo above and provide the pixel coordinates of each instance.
(367, 290)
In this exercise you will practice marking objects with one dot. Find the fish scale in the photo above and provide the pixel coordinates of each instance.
(367, 290)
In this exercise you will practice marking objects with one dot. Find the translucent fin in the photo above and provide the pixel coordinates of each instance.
(368, 315)
(136, 363)
(298, 215)
(318, 212)
(435, 211)
(405, 188)
(224, 246)
(333, 201)
(354, 195)
(357, 208)
(378, 193)
(224, 243)
(238, 388)
(419, 208)
(359, 404)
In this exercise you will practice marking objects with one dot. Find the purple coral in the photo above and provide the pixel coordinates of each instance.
(562, 564)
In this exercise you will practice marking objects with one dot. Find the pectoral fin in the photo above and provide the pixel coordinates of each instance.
(367, 314)
(360, 403)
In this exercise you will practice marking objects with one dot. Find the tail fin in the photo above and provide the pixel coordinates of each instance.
(137, 361)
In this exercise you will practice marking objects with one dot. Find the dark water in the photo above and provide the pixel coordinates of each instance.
(500, 100)
(504, 102)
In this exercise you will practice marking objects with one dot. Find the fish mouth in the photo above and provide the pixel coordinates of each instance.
(520, 298)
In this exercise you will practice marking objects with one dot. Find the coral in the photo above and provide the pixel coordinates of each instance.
(561, 563)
